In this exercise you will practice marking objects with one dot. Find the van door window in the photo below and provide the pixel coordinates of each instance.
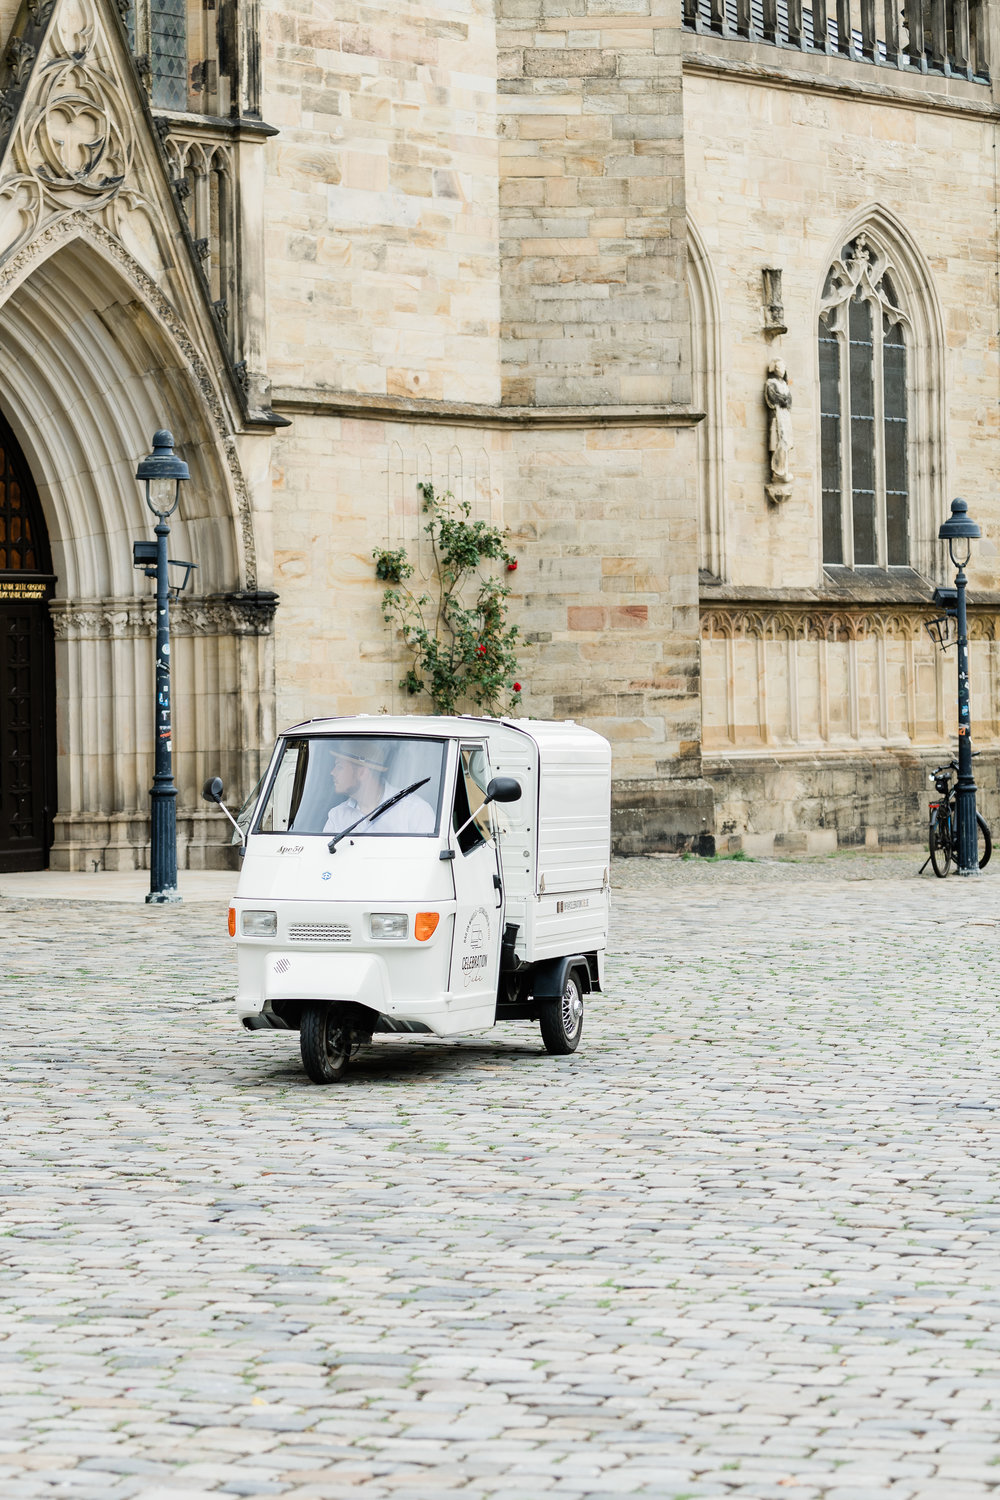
(470, 792)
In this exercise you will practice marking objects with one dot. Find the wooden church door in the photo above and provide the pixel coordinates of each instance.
(27, 669)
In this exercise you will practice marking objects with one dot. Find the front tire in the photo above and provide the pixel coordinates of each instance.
(940, 844)
(561, 1021)
(325, 1040)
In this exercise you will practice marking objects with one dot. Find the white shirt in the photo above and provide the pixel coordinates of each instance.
(412, 815)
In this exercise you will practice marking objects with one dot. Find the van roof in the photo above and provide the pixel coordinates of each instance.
(552, 736)
(439, 725)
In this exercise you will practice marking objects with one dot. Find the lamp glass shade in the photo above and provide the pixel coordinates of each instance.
(163, 473)
(162, 495)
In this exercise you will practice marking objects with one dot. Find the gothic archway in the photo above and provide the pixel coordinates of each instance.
(94, 364)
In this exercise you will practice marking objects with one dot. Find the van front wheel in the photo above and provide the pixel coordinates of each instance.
(325, 1039)
(561, 1021)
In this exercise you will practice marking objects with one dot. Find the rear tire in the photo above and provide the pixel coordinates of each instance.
(561, 1021)
(325, 1040)
(985, 841)
(940, 844)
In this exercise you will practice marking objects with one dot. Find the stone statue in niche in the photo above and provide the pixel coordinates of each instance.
(780, 440)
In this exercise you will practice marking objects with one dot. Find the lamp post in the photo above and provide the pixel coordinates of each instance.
(959, 531)
(163, 474)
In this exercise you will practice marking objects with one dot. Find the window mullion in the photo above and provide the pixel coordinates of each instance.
(846, 488)
(878, 435)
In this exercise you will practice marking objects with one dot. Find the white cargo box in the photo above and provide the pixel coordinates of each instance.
(555, 843)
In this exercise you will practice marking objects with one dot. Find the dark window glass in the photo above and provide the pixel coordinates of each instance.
(168, 37)
(20, 521)
(829, 400)
(862, 407)
(325, 783)
(470, 790)
(181, 40)
(896, 495)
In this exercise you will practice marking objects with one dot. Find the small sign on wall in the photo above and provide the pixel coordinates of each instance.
(23, 590)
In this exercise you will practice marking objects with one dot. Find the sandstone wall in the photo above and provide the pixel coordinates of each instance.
(343, 486)
(821, 711)
(605, 592)
(382, 197)
(389, 261)
(775, 177)
(594, 302)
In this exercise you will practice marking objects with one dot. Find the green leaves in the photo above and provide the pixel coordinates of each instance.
(392, 567)
(463, 647)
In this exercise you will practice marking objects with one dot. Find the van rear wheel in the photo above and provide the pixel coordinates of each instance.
(325, 1039)
(561, 1021)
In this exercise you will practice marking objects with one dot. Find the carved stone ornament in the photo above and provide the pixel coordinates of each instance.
(738, 622)
(862, 267)
(40, 11)
(73, 143)
(81, 225)
(131, 619)
(774, 311)
(780, 438)
(20, 56)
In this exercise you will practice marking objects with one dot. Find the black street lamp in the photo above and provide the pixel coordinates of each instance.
(959, 531)
(163, 473)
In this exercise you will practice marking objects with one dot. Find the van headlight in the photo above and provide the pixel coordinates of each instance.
(259, 923)
(388, 926)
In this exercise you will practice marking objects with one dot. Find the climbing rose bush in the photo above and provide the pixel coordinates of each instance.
(456, 629)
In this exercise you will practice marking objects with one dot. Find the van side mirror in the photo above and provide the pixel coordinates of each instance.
(212, 792)
(503, 789)
(500, 789)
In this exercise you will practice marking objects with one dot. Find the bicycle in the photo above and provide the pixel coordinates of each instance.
(943, 831)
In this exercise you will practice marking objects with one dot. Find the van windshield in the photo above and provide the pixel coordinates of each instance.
(324, 783)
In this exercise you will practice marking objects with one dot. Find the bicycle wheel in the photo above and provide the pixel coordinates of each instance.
(984, 841)
(940, 842)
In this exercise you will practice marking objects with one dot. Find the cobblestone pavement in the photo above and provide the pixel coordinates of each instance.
(745, 1243)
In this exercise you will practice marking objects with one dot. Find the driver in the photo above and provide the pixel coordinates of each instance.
(359, 778)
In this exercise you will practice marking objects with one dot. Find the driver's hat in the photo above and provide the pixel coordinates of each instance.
(373, 754)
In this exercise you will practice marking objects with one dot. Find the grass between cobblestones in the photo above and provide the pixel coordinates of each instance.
(743, 1243)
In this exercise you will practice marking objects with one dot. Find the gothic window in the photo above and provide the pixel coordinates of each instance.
(178, 44)
(23, 544)
(864, 444)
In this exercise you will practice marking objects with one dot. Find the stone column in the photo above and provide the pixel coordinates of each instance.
(223, 702)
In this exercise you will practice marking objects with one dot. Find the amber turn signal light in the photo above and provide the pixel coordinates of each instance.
(425, 925)
(232, 921)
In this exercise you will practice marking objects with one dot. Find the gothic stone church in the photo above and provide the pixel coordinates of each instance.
(548, 254)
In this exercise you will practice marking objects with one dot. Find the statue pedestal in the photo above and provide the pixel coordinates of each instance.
(776, 493)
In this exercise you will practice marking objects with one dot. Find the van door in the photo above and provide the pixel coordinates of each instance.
(475, 954)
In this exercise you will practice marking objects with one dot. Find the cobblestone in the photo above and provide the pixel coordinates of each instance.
(743, 1243)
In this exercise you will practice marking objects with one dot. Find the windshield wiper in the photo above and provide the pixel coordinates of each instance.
(370, 817)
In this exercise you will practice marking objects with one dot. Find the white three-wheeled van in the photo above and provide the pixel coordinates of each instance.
(423, 875)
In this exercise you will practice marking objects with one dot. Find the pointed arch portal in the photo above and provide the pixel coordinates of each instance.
(90, 371)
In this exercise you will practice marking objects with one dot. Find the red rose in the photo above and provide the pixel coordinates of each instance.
(517, 687)
(480, 650)
(512, 565)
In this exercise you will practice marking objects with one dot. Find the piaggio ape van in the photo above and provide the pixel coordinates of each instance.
(423, 875)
